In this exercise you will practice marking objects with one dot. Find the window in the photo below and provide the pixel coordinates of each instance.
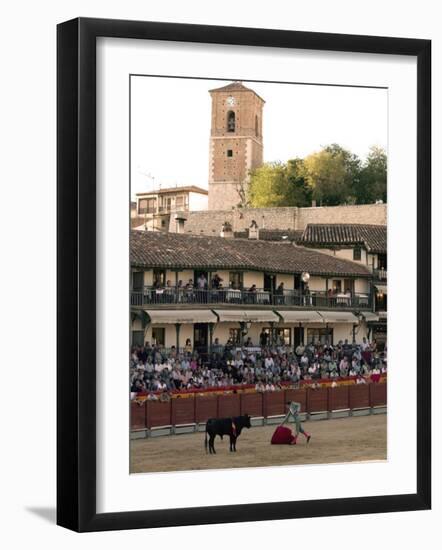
(235, 335)
(159, 277)
(181, 202)
(283, 336)
(349, 285)
(138, 337)
(357, 254)
(337, 286)
(235, 280)
(138, 280)
(230, 121)
(229, 153)
(165, 204)
(147, 206)
(320, 335)
(159, 336)
(382, 261)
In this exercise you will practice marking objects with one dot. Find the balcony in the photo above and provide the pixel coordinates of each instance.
(380, 274)
(290, 298)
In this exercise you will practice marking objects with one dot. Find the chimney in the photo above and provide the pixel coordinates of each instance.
(226, 231)
(254, 230)
(180, 220)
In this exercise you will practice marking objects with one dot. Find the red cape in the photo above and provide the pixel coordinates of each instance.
(282, 436)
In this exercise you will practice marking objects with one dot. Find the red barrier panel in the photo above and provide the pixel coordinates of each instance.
(206, 406)
(274, 403)
(183, 410)
(359, 396)
(317, 400)
(251, 404)
(378, 394)
(137, 416)
(158, 413)
(338, 398)
(229, 405)
(300, 396)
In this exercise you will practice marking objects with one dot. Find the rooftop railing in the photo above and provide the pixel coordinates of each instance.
(229, 296)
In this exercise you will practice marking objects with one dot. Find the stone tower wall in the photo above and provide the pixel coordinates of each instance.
(227, 173)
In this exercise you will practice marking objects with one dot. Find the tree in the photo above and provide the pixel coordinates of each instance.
(331, 174)
(268, 185)
(299, 191)
(279, 184)
(372, 184)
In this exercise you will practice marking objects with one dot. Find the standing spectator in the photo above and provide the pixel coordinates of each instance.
(264, 338)
(202, 282)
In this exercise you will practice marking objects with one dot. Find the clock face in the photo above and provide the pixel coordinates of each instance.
(230, 100)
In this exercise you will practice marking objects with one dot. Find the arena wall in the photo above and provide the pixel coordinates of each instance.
(197, 408)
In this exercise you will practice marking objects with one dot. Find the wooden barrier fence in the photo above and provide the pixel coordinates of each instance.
(197, 409)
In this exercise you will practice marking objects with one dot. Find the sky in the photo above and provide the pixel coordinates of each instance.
(170, 125)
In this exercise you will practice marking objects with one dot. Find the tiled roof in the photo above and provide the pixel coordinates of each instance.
(372, 237)
(182, 189)
(234, 87)
(171, 250)
(292, 235)
(137, 221)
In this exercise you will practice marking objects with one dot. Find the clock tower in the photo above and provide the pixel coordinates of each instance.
(236, 146)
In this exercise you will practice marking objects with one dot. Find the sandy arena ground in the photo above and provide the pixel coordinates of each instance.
(339, 440)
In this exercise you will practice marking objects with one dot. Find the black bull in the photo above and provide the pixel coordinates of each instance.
(225, 426)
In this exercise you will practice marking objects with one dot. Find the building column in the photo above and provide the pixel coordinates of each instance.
(177, 328)
(211, 327)
(241, 330)
(177, 297)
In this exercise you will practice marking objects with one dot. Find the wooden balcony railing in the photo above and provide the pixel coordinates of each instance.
(380, 274)
(315, 299)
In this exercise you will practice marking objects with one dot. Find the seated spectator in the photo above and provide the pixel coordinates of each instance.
(164, 396)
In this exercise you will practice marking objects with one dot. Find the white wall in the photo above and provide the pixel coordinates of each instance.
(317, 283)
(186, 331)
(253, 277)
(198, 201)
(287, 279)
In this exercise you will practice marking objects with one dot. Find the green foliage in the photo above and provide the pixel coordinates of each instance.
(372, 184)
(331, 177)
(279, 184)
(268, 185)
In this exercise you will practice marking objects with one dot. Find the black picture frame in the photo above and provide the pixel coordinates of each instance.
(76, 273)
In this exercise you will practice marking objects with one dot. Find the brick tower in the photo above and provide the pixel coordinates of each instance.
(236, 145)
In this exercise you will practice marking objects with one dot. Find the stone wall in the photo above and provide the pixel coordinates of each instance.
(375, 214)
(210, 222)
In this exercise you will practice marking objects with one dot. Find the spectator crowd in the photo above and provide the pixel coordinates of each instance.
(155, 369)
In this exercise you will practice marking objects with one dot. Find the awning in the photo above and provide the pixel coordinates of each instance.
(370, 316)
(172, 316)
(300, 316)
(338, 316)
(246, 315)
(381, 288)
